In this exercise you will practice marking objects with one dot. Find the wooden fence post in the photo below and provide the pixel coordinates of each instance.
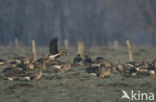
(129, 50)
(66, 44)
(80, 48)
(34, 53)
(16, 43)
(116, 44)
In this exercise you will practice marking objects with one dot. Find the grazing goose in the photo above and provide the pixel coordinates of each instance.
(53, 49)
(19, 61)
(99, 60)
(2, 61)
(93, 70)
(38, 74)
(63, 66)
(13, 73)
(28, 66)
(21, 74)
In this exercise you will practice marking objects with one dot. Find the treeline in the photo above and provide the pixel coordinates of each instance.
(95, 22)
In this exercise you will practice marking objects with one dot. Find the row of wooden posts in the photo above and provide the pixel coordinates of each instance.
(80, 48)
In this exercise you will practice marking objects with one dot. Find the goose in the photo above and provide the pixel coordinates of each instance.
(93, 70)
(38, 74)
(87, 61)
(13, 62)
(145, 64)
(99, 60)
(28, 66)
(134, 68)
(103, 72)
(120, 68)
(154, 65)
(108, 64)
(20, 74)
(152, 68)
(13, 73)
(2, 61)
(53, 49)
(63, 66)
(67, 66)
(77, 60)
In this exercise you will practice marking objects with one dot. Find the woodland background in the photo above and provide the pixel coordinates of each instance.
(94, 22)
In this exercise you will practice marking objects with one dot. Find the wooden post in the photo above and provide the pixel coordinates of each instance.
(34, 53)
(116, 44)
(80, 48)
(129, 50)
(16, 43)
(66, 44)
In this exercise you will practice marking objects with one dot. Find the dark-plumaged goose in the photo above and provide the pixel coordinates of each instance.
(53, 49)
(77, 59)
(93, 70)
(152, 68)
(133, 68)
(99, 60)
(87, 61)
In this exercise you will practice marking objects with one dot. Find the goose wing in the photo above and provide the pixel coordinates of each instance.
(53, 47)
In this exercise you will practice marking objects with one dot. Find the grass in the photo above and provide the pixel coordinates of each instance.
(75, 85)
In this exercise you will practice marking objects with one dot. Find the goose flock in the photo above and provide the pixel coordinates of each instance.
(24, 68)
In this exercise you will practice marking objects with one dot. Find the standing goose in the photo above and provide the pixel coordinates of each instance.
(133, 69)
(145, 64)
(87, 61)
(152, 68)
(120, 67)
(77, 60)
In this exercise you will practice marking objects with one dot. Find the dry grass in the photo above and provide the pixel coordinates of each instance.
(75, 85)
